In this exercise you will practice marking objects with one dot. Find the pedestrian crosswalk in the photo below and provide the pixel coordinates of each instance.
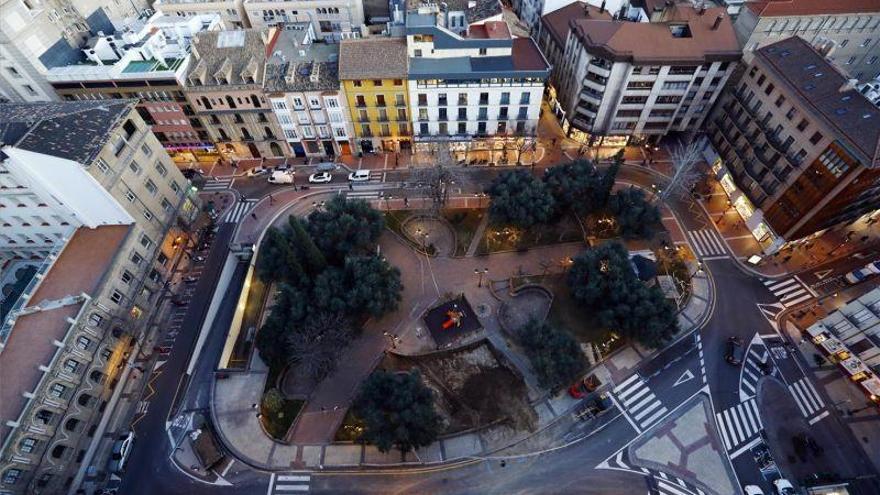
(237, 211)
(215, 184)
(754, 364)
(790, 291)
(639, 402)
(362, 194)
(808, 400)
(659, 482)
(706, 243)
(669, 487)
(739, 424)
(289, 482)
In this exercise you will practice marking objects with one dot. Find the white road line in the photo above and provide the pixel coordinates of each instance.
(629, 400)
(772, 285)
(624, 414)
(668, 488)
(271, 484)
(754, 405)
(814, 392)
(641, 403)
(645, 411)
(720, 420)
(755, 441)
(288, 478)
(291, 488)
(626, 382)
(740, 432)
(629, 390)
(798, 300)
(797, 400)
(648, 422)
(819, 418)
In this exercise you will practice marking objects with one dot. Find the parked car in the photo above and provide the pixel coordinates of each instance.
(189, 173)
(257, 171)
(190, 279)
(783, 487)
(733, 351)
(753, 490)
(857, 275)
(121, 450)
(327, 166)
(359, 176)
(584, 387)
(320, 178)
(281, 177)
(873, 267)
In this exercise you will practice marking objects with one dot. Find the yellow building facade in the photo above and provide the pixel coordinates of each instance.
(373, 77)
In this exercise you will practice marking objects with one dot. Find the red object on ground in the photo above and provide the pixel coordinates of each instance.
(448, 323)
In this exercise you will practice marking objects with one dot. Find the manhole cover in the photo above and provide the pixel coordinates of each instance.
(483, 310)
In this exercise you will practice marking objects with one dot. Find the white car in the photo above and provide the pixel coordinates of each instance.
(783, 487)
(320, 178)
(281, 177)
(857, 275)
(359, 176)
(753, 490)
(873, 267)
(121, 451)
(257, 171)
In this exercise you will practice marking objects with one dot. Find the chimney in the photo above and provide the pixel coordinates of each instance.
(717, 21)
(602, 7)
(702, 9)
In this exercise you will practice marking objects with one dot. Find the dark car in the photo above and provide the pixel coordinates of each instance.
(733, 351)
(189, 173)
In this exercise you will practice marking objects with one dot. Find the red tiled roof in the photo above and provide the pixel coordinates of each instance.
(527, 56)
(490, 30)
(556, 22)
(781, 8)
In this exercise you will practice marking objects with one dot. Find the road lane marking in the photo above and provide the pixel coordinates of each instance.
(819, 417)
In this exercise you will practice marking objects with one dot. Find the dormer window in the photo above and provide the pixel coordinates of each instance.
(483, 51)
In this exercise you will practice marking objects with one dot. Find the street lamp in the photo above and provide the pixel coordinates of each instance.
(480, 274)
(724, 214)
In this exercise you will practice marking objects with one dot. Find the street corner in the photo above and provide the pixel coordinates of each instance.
(685, 445)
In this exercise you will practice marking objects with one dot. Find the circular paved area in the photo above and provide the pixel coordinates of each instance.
(530, 303)
(439, 234)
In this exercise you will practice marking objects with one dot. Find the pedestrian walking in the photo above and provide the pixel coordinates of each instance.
(271, 200)
(254, 216)
(350, 186)
(405, 201)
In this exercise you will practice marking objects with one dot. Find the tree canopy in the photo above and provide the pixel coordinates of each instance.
(575, 186)
(555, 355)
(398, 411)
(604, 280)
(345, 227)
(636, 216)
(364, 285)
(520, 199)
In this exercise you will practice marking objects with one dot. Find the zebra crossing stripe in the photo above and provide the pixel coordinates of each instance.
(720, 420)
(629, 400)
(773, 284)
(623, 393)
(706, 243)
(626, 382)
(798, 300)
(796, 393)
(648, 422)
(285, 483)
(665, 487)
(754, 407)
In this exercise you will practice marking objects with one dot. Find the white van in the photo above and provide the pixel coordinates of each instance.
(281, 177)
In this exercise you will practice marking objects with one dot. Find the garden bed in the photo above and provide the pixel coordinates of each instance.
(465, 222)
(277, 424)
(499, 238)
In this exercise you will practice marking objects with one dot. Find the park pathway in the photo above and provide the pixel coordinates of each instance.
(478, 235)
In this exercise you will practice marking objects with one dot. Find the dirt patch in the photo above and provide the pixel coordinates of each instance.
(474, 386)
(529, 303)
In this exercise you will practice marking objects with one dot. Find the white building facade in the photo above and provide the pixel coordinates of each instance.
(231, 12)
(330, 19)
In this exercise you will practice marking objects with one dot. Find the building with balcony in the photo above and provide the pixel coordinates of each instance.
(331, 20)
(373, 74)
(478, 88)
(871, 90)
(846, 31)
(91, 209)
(621, 81)
(531, 12)
(147, 61)
(231, 12)
(302, 85)
(794, 145)
(36, 36)
(224, 87)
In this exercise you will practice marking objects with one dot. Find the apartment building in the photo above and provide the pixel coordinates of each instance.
(147, 61)
(92, 205)
(847, 31)
(623, 82)
(36, 36)
(477, 88)
(373, 74)
(332, 20)
(531, 12)
(224, 87)
(794, 145)
(871, 90)
(302, 85)
(231, 12)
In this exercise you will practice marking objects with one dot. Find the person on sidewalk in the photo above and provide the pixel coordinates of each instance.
(271, 200)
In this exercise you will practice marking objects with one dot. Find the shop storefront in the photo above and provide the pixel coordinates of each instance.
(504, 150)
(753, 217)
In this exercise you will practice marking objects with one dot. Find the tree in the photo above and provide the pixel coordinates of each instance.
(520, 199)
(604, 281)
(636, 216)
(608, 178)
(310, 257)
(345, 227)
(398, 411)
(289, 308)
(575, 186)
(555, 355)
(278, 260)
(315, 344)
(685, 158)
(364, 285)
(273, 401)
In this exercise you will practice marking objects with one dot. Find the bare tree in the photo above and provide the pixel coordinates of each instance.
(435, 182)
(685, 158)
(316, 344)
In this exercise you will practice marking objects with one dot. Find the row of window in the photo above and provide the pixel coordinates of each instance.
(483, 113)
(442, 100)
(376, 83)
(399, 100)
(461, 129)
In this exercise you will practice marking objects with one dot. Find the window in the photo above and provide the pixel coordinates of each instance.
(423, 128)
(151, 187)
(71, 365)
(444, 128)
(769, 89)
(134, 167)
(502, 113)
(399, 100)
(833, 162)
(146, 241)
(146, 150)
(417, 53)
(850, 60)
(175, 187)
(314, 103)
(357, 83)
(815, 138)
(802, 125)
(644, 85)
(779, 101)
(761, 80)
(377, 83)
(26, 446)
(129, 195)
(462, 114)
(525, 98)
(844, 43)
(166, 205)
(380, 100)
(790, 114)
(161, 169)
(83, 343)
(136, 258)
(102, 166)
(95, 319)
(126, 277)
(116, 297)
(462, 99)
(483, 51)
(423, 114)
(57, 390)
(462, 128)
(11, 476)
(398, 82)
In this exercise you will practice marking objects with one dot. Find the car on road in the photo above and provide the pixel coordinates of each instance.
(584, 387)
(753, 490)
(733, 351)
(783, 487)
(281, 177)
(121, 450)
(327, 166)
(359, 176)
(189, 173)
(873, 267)
(190, 279)
(257, 171)
(320, 178)
(857, 275)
